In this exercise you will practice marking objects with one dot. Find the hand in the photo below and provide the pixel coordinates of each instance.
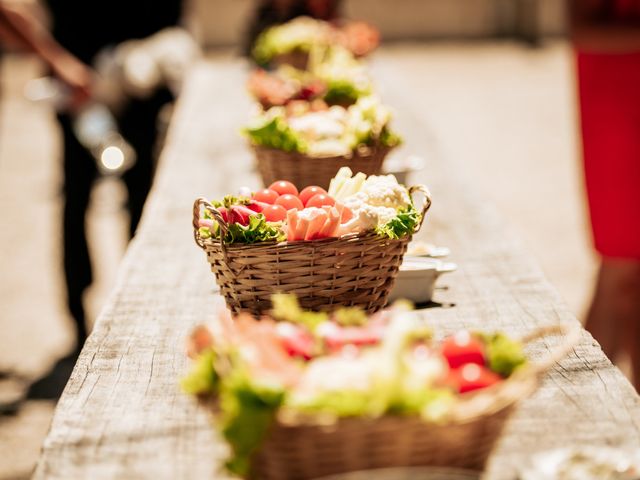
(77, 76)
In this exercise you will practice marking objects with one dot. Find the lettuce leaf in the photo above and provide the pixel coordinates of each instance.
(247, 410)
(388, 138)
(285, 308)
(504, 354)
(344, 403)
(258, 230)
(429, 402)
(343, 92)
(202, 379)
(275, 133)
(401, 225)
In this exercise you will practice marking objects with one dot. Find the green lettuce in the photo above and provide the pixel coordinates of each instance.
(504, 354)
(285, 308)
(275, 133)
(388, 138)
(344, 403)
(404, 223)
(202, 379)
(247, 411)
(343, 92)
(258, 230)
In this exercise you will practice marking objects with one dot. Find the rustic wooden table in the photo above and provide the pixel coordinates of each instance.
(122, 414)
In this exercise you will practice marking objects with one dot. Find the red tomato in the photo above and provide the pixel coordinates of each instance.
(320, 200)
(274, 213)
(309, 192)
(471, 377)
(289, 202)
(282, 187)
(463, 348)
(266, 195)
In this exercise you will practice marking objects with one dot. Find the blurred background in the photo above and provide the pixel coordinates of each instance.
(505, 61)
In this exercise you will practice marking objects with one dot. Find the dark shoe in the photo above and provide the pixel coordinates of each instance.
(50, 386)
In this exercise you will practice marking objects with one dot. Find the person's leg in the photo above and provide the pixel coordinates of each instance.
(79, 175)
(615, 303)
(601, 322)
(627, 308)
(138, 124)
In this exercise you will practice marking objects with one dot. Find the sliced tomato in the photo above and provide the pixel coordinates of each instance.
(463, 348)
(274, 213)
(266, 195)
(289, 202)
(320, 200)
(282, 187)
(309, 192)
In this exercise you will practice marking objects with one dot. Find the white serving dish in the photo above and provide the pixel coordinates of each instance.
(417, 278)
(423, 249)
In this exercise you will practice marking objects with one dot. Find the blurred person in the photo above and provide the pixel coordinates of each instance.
(81, 31)
(606, 37)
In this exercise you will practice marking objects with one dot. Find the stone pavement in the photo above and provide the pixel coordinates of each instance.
(504, 112)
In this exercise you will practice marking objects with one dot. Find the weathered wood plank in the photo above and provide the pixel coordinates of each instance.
(122, 414)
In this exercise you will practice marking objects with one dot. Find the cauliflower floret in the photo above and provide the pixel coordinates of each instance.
(320, 376)
(379, 191)
(384, 191)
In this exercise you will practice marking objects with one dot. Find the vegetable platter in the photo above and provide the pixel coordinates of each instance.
(336, 78)
(294, 42)
(307, 142)
(300, 395)
(337, 247)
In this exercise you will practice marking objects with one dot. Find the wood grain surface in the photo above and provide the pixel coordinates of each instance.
(122, 414)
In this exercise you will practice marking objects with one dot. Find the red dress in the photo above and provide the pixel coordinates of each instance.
(609, 91)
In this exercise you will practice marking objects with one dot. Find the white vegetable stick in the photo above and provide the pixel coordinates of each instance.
(337, 181)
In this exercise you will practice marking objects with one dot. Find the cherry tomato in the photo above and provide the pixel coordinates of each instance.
(471, 377)
(289, 202)
(320, 200)
(274, 213)
(463, 348)
(266, 195)
(282, 187)
(309, 192)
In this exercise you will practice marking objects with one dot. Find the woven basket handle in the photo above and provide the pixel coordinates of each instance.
(427, 201)
(200, 204)
(571, 338)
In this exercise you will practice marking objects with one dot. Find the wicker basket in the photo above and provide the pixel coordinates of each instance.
(298, 449)
(303, 170)
(354, 270)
